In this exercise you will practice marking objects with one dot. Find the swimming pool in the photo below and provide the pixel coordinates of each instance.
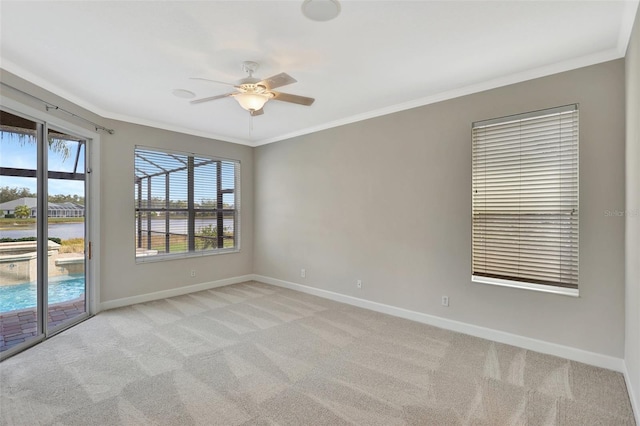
(22, 296)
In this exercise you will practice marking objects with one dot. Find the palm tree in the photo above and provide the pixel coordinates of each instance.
(22, 212)
(58, 142)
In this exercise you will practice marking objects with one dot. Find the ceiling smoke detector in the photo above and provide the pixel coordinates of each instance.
(182, 93)
(321, 10)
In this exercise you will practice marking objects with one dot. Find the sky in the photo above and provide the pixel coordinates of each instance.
(22, 154)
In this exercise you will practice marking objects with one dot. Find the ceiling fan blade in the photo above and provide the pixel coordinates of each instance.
(210, 98)
(213, 81)
(295, 99)
(256, 112)
(278, 80)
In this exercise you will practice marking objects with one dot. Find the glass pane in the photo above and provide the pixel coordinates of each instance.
(228, 201)
(18, 234)
(207, 232)
(178, 205)
(205, 186)
(66, 228)
(178, 232)
(228, 175)
(229, 230)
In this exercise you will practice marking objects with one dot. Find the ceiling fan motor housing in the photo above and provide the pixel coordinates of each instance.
(254, 88)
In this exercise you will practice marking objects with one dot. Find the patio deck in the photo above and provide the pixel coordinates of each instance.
(18, 326)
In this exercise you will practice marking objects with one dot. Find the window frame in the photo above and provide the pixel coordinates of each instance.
(522, 283)
(191, 211)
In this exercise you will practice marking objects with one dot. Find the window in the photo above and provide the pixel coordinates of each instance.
(185, 204)
(525, 201)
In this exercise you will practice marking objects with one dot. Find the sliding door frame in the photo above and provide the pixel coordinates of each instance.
(44, 121)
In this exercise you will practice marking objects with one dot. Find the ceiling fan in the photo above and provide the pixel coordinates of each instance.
(253, 93)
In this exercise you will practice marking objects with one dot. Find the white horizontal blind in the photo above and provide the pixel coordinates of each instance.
(525, 198)
(185, 203)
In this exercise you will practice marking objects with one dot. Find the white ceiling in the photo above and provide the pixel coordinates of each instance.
(123, 59)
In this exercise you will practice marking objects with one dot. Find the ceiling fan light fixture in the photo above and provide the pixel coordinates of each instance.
(252, 101)
(321, 10)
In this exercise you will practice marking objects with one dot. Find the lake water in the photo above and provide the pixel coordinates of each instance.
(63, 231)
(66, 231)
(180, 225)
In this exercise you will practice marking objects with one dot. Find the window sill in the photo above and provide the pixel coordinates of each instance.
(149, 258)
(573, 292)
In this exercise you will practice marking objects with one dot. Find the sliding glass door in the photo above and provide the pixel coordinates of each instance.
(66, 280)
(19, 273)
(43, 237)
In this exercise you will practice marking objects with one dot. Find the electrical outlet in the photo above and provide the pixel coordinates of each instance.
(445, 300)
(193, 272)
(359, 283)
(303, 273)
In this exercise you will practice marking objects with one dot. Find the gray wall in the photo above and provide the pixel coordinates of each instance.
(120, 276)
(632, 337)
(388, 201)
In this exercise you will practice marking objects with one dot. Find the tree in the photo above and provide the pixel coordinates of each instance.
(208, 203)
(207, 238)
(60, 145)
(22, 212)
(58, 142)
(60, 198)
(9, 194)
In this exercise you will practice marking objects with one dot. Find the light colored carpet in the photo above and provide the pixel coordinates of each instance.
(254, 354)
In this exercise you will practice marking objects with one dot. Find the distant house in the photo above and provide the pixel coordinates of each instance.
(67, 209)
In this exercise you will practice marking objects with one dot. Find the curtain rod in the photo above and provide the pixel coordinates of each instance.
(49, 105)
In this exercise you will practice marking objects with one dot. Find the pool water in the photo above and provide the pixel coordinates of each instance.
(22, 296)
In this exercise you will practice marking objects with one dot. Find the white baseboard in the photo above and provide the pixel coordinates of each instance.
(633, 396)
(592, 358)
(574, 354)
(179, 291)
